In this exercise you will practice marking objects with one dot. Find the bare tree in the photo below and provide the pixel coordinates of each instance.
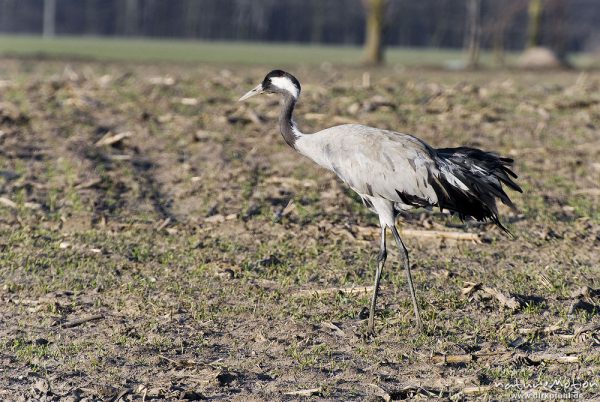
(500, 15)
(49, 18)
(473, 31)
(131, 17)
(7, 8)
(536, 56)
(192, 20)
(535, 20)
(375, 14)
(558, 34)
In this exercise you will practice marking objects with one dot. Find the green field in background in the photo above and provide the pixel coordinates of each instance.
(236, 52)
(215, 52)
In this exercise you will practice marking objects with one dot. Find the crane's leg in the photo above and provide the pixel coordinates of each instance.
(411, 288)
(380, 261)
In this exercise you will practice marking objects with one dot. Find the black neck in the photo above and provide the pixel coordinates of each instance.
(285, 120)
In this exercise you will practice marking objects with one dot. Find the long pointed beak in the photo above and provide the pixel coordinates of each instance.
(254, 91)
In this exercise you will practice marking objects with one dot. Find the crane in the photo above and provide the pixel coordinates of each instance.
(394, 172)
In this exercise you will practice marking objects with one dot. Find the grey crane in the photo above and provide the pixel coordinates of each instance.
(393, 172)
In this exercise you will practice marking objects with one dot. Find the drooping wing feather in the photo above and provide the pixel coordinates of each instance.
(484, 173)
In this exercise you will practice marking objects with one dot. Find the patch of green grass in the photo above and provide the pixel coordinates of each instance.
(586, 207)
(28, 350)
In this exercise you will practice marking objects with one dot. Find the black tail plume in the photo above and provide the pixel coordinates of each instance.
(483, 174)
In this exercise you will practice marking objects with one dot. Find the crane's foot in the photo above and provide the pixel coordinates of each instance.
(417, 310)
(370, 330)
(367, 334)
(369, 315)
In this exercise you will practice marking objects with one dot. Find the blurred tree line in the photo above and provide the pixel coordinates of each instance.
(572, 25)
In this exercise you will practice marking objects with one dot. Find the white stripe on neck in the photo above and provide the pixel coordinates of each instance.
(286, 84)
(295, 130)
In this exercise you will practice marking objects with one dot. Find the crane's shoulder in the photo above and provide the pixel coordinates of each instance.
(350, 135)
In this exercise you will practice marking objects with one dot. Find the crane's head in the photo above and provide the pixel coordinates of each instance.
(277, 81)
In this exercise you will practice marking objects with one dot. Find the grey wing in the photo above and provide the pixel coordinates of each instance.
(397, 167)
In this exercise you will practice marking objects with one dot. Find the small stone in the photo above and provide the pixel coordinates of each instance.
(41, 342)
(191, 396)
(364, 314)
